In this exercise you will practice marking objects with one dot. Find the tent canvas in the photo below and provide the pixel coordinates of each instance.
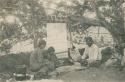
(57, 37)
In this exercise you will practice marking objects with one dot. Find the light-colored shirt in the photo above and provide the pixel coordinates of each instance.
(93, 53)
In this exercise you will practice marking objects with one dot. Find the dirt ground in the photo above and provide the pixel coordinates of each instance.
(94, 75)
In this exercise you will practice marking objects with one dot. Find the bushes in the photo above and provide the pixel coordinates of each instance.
(8, 62)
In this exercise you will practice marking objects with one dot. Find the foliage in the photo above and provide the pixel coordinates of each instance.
(8, 62)
(27, 18)
(109, 14)
(30, 17)
(5, 45)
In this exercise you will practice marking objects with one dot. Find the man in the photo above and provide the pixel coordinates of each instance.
(92, 55)
(37, 61)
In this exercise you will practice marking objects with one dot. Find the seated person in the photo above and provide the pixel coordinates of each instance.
(75, 55)
(53, 62)
(37, 61)
(106, 54)
(115, 58)
(92, 55)
(51, 57)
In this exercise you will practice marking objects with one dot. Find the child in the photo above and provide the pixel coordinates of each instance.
(52, 61)
(52, 57)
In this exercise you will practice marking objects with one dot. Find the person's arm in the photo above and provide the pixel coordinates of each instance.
(85, 54)
(56, 61)
(41, 56)
(98, 53)
(32, 57)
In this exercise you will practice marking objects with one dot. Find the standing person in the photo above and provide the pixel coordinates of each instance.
(37, 61)
(92, 55)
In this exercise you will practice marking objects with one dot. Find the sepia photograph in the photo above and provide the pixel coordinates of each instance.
(62, 40)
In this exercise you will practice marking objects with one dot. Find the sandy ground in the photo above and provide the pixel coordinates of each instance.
(94, 75)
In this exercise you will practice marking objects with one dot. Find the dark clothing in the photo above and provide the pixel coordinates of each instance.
(37, 60)
(42, 63)
(95, 63)
(83, 62)
(53, 59)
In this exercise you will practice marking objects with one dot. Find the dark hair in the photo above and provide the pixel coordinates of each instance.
(41, 42)
(73, 47)
(88, 38)
(51, 49)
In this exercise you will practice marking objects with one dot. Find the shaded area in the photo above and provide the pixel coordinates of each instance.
(8, 62)
(94, 75)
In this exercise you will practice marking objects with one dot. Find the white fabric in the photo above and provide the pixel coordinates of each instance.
(110, 62)
(57, 36)
(75, 55)
(123, 59)
(92, 52)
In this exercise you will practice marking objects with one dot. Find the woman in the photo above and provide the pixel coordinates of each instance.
(37, 60)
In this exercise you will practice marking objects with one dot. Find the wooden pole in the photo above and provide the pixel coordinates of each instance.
(124, 24)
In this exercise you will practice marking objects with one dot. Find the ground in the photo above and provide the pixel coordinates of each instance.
(94, 75)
